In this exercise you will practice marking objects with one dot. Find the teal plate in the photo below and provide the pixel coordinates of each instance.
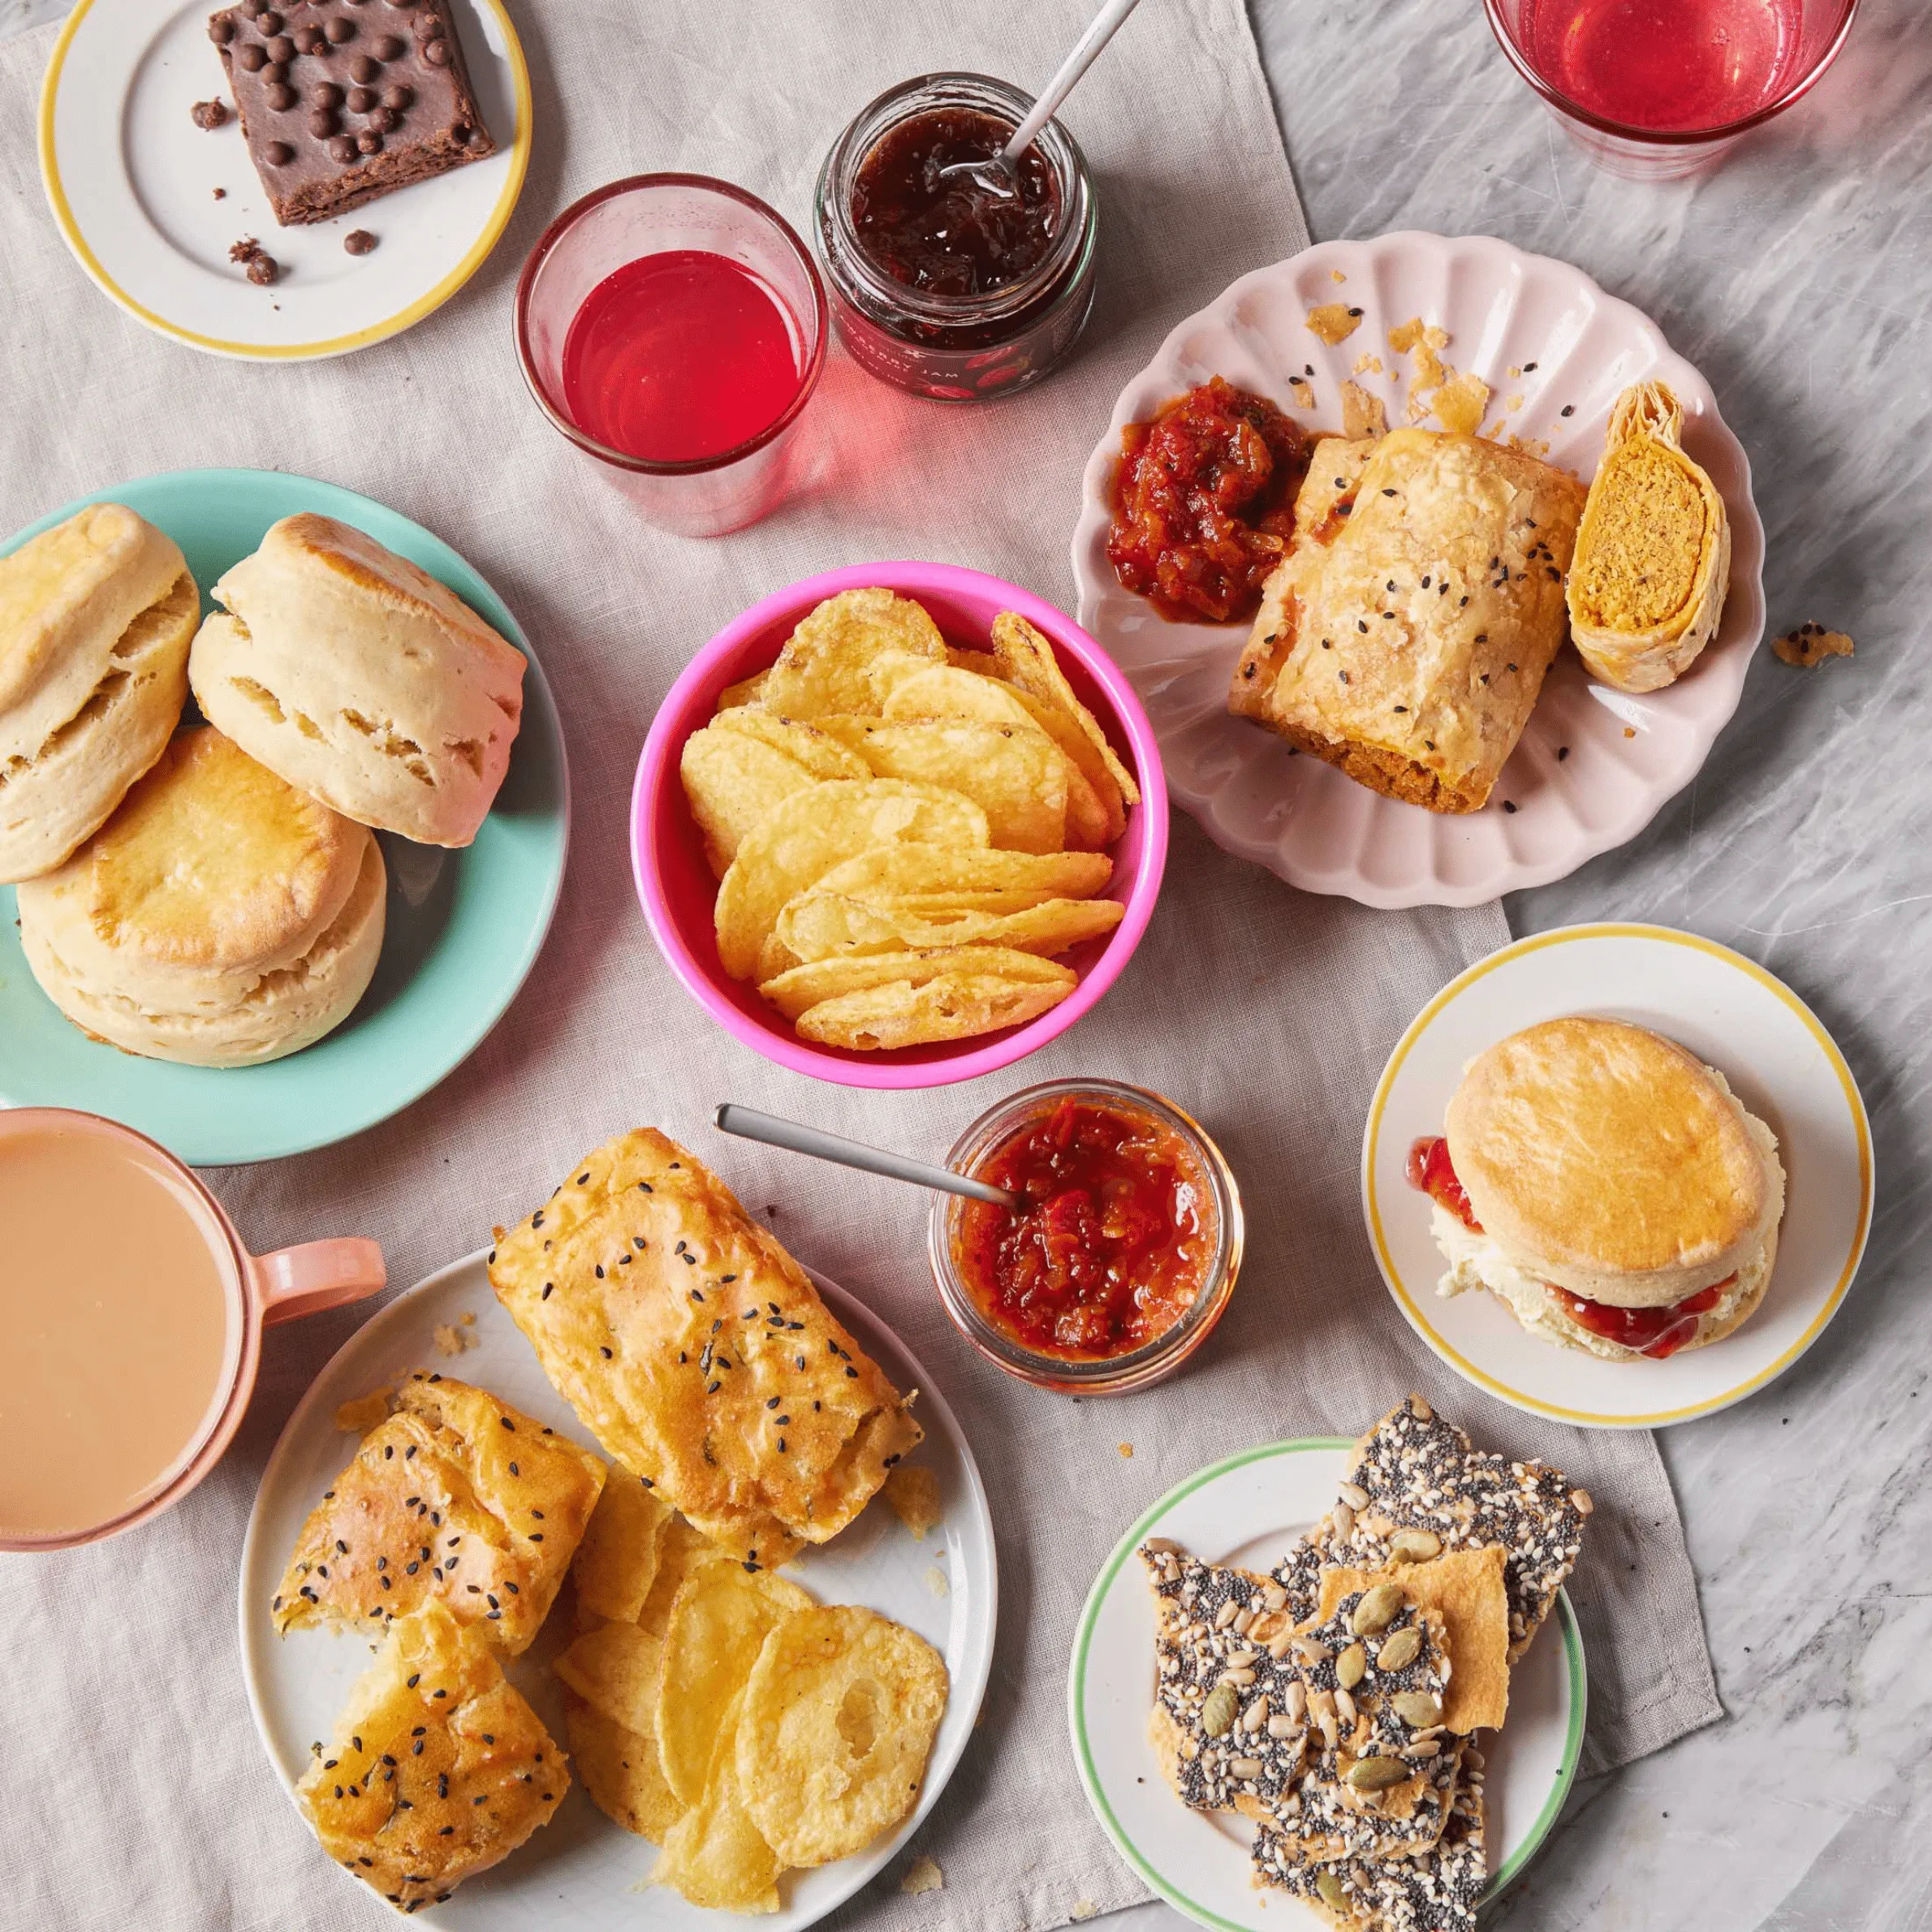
(463, 930)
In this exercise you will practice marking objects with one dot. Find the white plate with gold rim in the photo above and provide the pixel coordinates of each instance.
(131, 182)
(1248, 1510)
(1593, 765)
(1734, 1016)
(581, 1868)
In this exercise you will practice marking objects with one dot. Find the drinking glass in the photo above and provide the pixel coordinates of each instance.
(649, 215)
(1657, 89)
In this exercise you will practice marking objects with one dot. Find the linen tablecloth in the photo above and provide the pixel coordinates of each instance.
(132, 1790)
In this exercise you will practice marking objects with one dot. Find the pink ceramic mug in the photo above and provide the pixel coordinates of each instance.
(131, 1321)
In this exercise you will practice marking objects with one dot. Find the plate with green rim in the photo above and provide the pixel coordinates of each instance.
(463, 928)
(1248, 1510)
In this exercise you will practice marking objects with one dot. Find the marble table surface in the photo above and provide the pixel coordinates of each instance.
(1793, 275)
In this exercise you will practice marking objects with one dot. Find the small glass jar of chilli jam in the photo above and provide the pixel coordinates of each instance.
(945, 288)
(1123, 1251)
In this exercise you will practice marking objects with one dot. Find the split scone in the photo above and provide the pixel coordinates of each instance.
(1405, 635)
(697, 1351)
(220, 918)
(439, 1768)
(1653, 562)
(360, 679)
(1608, 1187)
(456, 1498)
(95, 615)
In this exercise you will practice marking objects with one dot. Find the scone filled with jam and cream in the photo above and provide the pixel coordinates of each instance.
(1607, 1187)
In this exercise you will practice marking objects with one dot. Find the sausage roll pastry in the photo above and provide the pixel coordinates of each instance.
(1405, 635)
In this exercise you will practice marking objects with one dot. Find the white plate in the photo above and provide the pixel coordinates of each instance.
(581, 1868)
(132, 181)
(1303, 819)
(1734, 1016)
(1248, 1510)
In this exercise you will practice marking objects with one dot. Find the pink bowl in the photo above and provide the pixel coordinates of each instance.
(678, 891)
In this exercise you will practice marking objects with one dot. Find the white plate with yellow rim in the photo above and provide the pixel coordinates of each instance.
(1734, 1016)
(1248, 1509)
(132, 181)
(580, 1869)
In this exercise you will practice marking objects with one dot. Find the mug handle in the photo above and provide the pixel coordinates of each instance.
(317, 1275)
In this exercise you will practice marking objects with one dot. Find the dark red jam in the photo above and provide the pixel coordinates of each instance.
(1204, 503)
(1656, 1332)
(952, 235)
(1115, 1240)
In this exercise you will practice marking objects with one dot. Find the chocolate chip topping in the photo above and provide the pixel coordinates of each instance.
(278, 154)
(309, 40)
(358, 241)
(386, 120)
(281, 97)
(324, 95)
(343, 148)
(267, 22)
(362, 68)
(322, 123)
(437, 53)
(390, 47)
(361, 99)
(252, 58)
(264, 269)
(369, 141)
(221, 30)
(339, 30)
(397, 95)
(281, 50)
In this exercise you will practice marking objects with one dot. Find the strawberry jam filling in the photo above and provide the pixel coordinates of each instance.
(1430, 1168)
(1655, 1332)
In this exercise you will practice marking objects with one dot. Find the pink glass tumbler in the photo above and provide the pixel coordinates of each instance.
(649, 215)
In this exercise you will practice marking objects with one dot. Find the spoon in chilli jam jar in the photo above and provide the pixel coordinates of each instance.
(749, 1124)
(1125, 1249)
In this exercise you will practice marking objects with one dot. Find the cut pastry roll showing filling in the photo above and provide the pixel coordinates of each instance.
(1653, 561)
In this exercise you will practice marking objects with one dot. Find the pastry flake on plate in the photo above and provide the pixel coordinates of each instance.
(457, 1499)
(697, 1351)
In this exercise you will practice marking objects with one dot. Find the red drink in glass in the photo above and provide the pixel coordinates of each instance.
(1659, 87)
(1681, 66)
(680, 355)
(673, 328)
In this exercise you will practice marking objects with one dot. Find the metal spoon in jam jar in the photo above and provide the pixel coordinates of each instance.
(749, 1124)
(998, 175)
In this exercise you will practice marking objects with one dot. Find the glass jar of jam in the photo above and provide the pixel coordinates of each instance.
(941, 285)
(1123, 1254)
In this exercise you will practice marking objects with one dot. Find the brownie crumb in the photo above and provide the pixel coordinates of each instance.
(207, 115)
(358, 241)
(263, 268)
(221, 194)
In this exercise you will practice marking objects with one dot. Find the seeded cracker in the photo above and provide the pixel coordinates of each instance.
(1439, 1893)
(1414, 1471)
(1280, 1739)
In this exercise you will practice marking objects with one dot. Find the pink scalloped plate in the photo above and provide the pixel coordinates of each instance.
(1594, 766)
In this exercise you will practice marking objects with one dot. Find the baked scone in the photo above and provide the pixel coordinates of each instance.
(439, 1768)
(360, 679)
(1404, 637)
(1653, 562)
(457, 1499)
(220, 918)
(1606, 1187)
(697, 1352)
(96, 616)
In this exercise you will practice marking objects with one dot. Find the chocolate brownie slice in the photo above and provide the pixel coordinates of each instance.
(341, 100)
